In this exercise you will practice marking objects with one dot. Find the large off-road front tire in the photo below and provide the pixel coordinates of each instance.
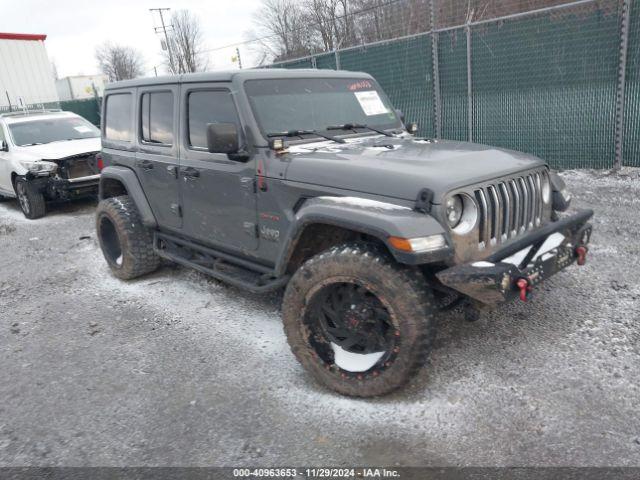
(31, 199)
(127, 245)
(359, 322)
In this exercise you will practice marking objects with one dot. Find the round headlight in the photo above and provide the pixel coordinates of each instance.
(453, 210)
(462, 213)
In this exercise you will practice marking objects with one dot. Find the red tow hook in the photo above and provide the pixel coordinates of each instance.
(581, 253)
(525, 288)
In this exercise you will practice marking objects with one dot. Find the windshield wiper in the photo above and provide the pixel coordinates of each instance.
(300, 133)
(353, 126)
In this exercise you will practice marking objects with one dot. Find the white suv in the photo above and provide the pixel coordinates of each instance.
(47, 155)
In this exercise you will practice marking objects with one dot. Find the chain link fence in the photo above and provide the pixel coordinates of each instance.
(561, 81)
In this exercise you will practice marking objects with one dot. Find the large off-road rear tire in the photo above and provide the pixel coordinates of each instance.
(358, 321)
(127, 245)
(31, 200)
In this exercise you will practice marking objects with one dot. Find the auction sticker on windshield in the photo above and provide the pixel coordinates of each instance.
(370, 102)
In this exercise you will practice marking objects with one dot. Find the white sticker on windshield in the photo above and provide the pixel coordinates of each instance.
(370, 102)
(82, 129)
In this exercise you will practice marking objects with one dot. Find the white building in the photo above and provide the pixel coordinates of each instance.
(26, 76)
(80, 86)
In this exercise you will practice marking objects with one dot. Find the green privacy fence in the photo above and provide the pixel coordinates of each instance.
(452, 56)
(408, 83)
(631, 144)
(88, 108)
(545, 82)
(548, 86)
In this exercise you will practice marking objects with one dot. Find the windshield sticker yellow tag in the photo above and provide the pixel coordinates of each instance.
(371, 103)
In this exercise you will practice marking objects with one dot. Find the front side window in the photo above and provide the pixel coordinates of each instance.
(282, 105)
(208, 106)
(53, 129)
(118, 122)
(157, 118)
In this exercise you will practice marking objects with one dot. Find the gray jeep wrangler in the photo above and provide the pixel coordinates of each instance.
(310, 180)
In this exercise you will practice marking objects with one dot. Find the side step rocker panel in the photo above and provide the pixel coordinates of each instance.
(222, 266)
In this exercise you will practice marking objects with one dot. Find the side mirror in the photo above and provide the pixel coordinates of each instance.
(4, 146)
(222, 138)
(400, 115)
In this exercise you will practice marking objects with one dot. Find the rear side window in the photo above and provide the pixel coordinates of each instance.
(157, 118)
(208, 106)
(118, 117)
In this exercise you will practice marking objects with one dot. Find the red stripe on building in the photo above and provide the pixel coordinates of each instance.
(21, 36)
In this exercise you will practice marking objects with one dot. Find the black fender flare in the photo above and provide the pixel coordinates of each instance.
(377, 219)
(129, 180)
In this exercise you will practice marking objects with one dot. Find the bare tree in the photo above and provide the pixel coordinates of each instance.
(184, 53)
(119, 62)
(282, 28)
(288, 29)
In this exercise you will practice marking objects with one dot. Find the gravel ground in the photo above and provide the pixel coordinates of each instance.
(178, 369)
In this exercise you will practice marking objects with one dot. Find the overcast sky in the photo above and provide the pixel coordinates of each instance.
(74, 28)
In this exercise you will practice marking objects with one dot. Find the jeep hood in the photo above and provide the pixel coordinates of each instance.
(401, 167)
(59, 150)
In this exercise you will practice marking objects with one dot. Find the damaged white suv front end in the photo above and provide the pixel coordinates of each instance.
(48, 155)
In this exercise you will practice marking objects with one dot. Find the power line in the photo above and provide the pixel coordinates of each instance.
(339, 17)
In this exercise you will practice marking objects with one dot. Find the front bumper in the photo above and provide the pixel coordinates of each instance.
(516, 269)
(66, 188)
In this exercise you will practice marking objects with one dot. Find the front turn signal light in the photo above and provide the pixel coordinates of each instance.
(418, 245)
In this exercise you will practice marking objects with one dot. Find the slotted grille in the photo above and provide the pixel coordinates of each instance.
(510, 207)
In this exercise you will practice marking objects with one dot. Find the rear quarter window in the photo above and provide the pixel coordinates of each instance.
(118, 117)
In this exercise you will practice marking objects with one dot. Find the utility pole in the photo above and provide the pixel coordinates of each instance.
(239, 59)
(163, 28)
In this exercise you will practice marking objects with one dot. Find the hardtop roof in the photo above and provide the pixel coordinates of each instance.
(242, 75)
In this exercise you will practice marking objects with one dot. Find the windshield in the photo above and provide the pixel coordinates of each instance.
(37, 132)
(308, 104)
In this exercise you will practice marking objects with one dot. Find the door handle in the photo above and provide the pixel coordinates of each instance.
(144, 164)
(190, 172)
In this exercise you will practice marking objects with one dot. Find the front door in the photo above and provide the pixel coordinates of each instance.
(158, 154)
(218, 198)
(5, 167)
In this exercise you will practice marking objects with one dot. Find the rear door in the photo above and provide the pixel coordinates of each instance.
(157, 158)
(218, 197)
